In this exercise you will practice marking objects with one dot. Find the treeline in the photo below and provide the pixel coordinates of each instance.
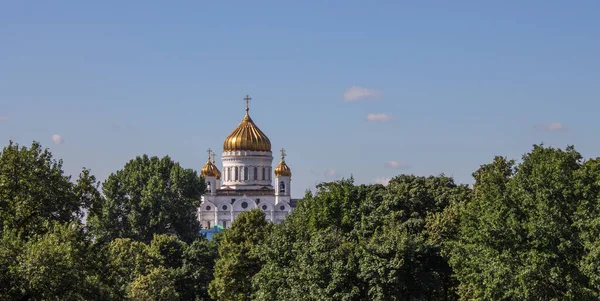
(139, 240)
(526, 231)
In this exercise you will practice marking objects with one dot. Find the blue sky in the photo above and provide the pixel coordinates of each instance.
(372, 89)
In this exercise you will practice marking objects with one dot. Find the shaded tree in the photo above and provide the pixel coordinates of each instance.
(518, 237)
(158, 284)
(238, 261)
(34, 190)
(148, 196)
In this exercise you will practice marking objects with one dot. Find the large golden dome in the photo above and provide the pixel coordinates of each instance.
(247, 137)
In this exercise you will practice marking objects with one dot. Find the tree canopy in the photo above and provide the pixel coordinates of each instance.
(148, 196)
(526, 230)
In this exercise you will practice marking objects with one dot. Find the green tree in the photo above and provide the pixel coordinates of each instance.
(132, 268)
(357, 242)
(197, 270)
(237, 261)
(12, 285)
(148, 196)
(518, 237)
(34, 191)
(126, 260)
(158, 284)
(59, 264)
(588, 221)
(399, 258)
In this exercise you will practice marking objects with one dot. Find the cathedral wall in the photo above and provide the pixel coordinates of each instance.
(222, 210)
(247, 168)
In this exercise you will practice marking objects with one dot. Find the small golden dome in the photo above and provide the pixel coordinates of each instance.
(282, 170)
(247, 137)
(210, 169)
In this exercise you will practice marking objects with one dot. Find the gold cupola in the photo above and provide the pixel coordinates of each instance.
(282, 170)
(210, 169)
(247, 136)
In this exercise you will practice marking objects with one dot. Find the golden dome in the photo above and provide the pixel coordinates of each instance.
(210, 169)
(247, 137)
(282, 170)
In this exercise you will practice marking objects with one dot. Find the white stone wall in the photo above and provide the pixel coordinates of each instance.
(246, 169)
(219, 210)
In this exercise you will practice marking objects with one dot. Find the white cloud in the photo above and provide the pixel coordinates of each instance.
(396, 165)
(357, 92)
(379, 117)
(3, 117)
(58, 139)
(382, 180)
(331, 173)
(550, 127)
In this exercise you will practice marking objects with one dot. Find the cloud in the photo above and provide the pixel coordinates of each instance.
(357, 93)
(550, 127)
(58, 139)
(331, 174)
(3, 117)
(382, 180)
(396, 165)
(379, 117)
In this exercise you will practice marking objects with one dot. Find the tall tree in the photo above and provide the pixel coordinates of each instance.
(166, 268)
(238, 261)
(148, 196)
(518, 237)
(34, 190)
(357, 242)
(399, 260)
(588, 221)
(59, 264)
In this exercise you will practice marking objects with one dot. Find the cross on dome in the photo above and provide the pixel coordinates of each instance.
(209, 151)
(213, 157)
(247, 99)
(283, 154)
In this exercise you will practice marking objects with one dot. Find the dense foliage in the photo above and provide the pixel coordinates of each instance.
(141, 241)
(524, 231)
(149, 196)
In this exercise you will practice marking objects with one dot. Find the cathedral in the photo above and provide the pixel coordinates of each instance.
(246, 181)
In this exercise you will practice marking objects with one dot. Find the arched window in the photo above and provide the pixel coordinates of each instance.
(208, 187)
(263, 174)
(269, 173)
(281, 186)
(236, 173)
(255, 173)
(246, 173)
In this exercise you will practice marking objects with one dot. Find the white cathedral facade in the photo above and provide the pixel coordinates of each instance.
(247, 179)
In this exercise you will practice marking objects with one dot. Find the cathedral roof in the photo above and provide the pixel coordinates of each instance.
(210, 169)
(282, 170)
(247, 137)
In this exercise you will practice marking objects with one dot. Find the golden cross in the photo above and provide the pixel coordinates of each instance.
(209, 151)
(213, 156)
(247, 99)
(282, 154)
